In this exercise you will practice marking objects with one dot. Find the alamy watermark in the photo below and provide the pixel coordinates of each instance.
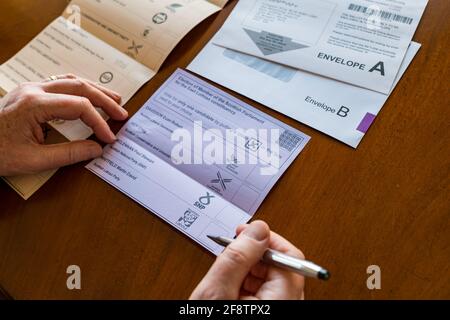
(73, 281)
(374, 18)
(229, 147)
(73, 19)
(374, 280)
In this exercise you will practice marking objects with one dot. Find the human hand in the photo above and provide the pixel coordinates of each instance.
(239, 273)
(24, 110)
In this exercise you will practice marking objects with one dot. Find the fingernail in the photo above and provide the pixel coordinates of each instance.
(255, 231)
(124, 112)
(112, 136)
(118, 97)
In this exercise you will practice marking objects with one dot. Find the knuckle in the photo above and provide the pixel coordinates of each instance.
(29, 98)
(70, 76)
(23, 86)
(28, 85)
(79, 83)
(71, 155)
(235, 256)
(84, 103)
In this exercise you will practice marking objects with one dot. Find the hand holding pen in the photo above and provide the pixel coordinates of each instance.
(240, 273)
(276, 258)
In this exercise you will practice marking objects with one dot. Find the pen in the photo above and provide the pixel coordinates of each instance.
(284, 261)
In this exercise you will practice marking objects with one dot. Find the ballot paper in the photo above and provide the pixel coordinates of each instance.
(145, 30)
(196, 196)
(340, 110)
(119, 44)
(62, 48)
(361, 42)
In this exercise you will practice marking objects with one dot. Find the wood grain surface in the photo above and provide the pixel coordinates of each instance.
(386, 203)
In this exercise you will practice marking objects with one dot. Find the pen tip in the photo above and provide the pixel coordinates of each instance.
(323, 274)
(211, 237)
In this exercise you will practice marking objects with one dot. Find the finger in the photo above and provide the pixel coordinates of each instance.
(233, 265)
(290, 285)
(259, 270)
(241, 255)
(66, 107)
(241, 228)
(114, 95)
(279, 243)
(252, 284)
(67, 76)
(83, 88)
(277, 283)
(99, 96)
(58, 155)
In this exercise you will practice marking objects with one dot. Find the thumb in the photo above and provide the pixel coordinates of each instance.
(53, 156)
(233, 265)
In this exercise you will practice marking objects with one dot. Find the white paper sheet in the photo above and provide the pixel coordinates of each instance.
(340, 110)
(145, 30)
(64, 48)
(197, 198)
(118, 44)
(362, 42)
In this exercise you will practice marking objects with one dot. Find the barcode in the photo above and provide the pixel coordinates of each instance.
(289, 140)
(385, 15)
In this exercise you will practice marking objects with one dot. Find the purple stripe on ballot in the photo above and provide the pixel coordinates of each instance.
(366, 122)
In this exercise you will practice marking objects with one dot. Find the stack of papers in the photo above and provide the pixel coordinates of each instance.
(328, 64)
(197, 157)
(119, 44)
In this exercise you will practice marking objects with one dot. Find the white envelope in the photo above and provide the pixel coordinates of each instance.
(340, 110)
(361, 42)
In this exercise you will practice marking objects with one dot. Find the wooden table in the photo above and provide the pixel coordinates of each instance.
(386, 203)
